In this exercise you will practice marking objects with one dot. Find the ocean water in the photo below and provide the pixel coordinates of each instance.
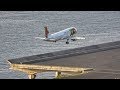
(18, 30)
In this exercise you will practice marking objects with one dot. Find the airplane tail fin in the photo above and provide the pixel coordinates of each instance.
(46, 32)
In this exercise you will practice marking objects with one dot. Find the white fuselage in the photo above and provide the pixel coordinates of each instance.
(64, 34)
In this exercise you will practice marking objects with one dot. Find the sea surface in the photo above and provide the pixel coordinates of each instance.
(18, 30)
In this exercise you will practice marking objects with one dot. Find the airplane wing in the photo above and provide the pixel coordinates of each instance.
(51, 40)
(77, 38)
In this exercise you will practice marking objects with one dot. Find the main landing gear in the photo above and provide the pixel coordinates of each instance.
(67, 42)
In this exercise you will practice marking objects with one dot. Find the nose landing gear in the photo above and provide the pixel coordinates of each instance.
(67, 42)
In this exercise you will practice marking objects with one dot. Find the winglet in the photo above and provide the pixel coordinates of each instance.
(46, 32)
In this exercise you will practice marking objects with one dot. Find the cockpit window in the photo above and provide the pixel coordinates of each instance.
(73, 31)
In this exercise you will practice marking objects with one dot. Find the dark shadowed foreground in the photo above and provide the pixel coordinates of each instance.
(103, 58)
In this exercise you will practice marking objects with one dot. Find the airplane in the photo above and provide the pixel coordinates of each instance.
(68, 33)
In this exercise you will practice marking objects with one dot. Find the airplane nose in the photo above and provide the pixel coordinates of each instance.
(75, 30)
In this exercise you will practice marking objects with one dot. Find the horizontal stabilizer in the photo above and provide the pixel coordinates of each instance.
(39, 38)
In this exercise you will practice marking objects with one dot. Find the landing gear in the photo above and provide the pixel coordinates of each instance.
(67, 41)
(73, 39)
